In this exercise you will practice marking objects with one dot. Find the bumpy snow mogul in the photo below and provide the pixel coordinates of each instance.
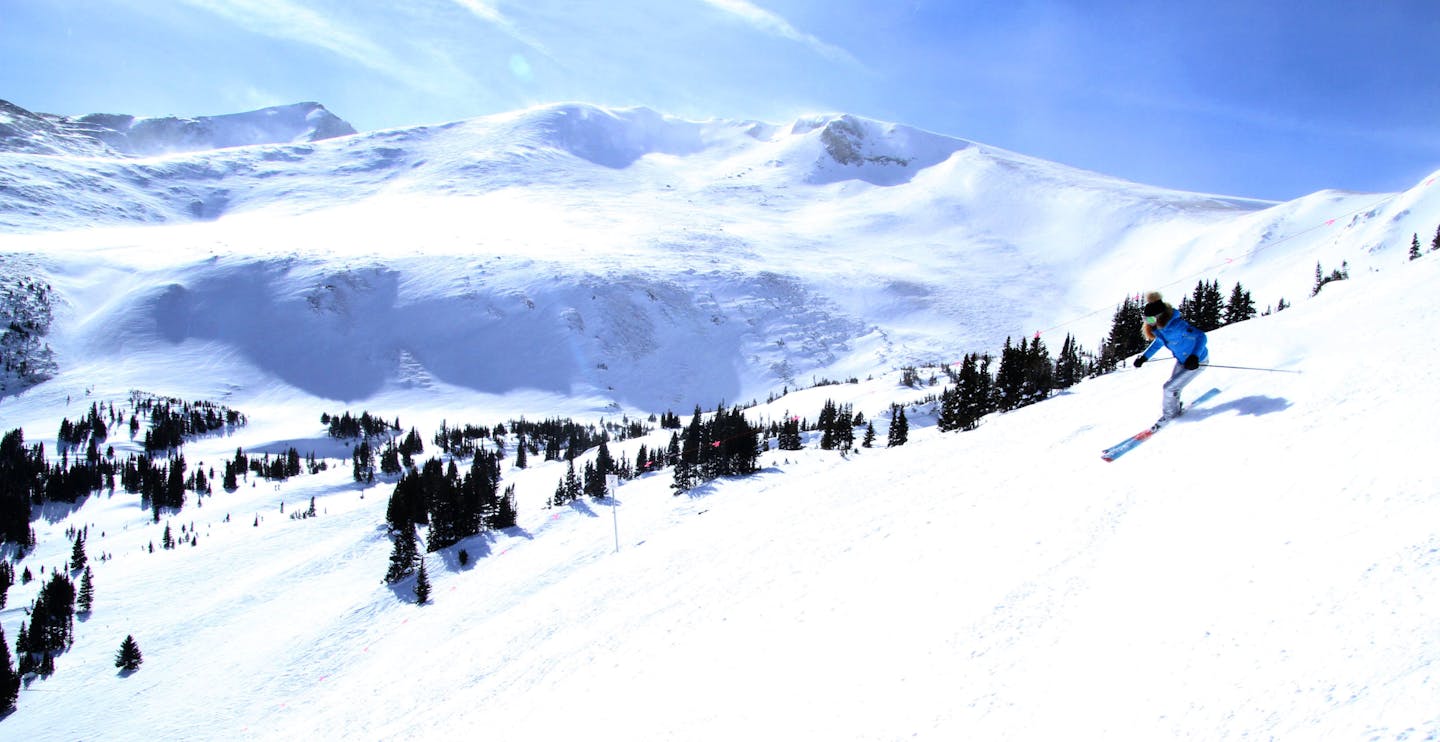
(1123, 447)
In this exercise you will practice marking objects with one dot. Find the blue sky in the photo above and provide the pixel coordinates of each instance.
(1261, 98)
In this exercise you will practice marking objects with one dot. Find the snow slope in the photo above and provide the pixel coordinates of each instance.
(1266, 568)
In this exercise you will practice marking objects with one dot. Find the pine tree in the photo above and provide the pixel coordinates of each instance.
(826, 424)
(844, 435)
(520, 453)
(685, 478)
(1414, 245)
(1010, 378)
(77, 552)
(899, 427)
(950, 410)
(573, 486)
(790, 439)
(86, 600)
(1125, 339)
(26, 663)
(1070, 366)
(129, 657)
(422, 585)
(1039, 371)
(1204, 308)
(505, 514)
(1240, 307)
(869, 439)
(9, 678)
(1435, 243)
(363, 460)
(390, 459)
(403, 554)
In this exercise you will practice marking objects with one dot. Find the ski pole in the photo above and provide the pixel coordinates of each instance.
(1243, 368)
(1252, 368)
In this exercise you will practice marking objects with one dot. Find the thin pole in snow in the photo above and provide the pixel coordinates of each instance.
(612, 482)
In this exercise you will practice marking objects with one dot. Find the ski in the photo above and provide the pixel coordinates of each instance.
(1124, 447)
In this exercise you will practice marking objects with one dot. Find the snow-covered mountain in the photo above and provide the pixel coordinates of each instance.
(627, 254)
(1266, 567)
(109, 134)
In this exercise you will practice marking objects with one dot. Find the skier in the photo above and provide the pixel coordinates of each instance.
(1164, 327)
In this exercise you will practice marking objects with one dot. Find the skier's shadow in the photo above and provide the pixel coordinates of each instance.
(1255, 405)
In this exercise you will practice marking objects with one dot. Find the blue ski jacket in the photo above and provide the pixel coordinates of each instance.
(1181, 338)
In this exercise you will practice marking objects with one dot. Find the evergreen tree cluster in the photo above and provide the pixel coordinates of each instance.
(454, 507)
(1026, 374)
(1125, 338)
(394, 457)
(90, 428)
(565, 439)
(172, 421)
(51, 628)
(837, 425)
(596, 471)
(465, 440)
(27, 481)
(1207, 310)
(1321, 278)
(161, 486)
(345, 425)
(724, 445)
(281, 467)
(25, 317)
(970, 397)
(788, 434)
(362, 459)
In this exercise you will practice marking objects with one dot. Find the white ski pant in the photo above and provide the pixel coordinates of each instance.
(1170, 404)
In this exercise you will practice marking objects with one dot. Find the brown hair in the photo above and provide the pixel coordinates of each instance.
(1162, 317)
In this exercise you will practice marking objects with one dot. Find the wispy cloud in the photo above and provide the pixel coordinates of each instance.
(486, 11)
(291, 21)
(772, 23)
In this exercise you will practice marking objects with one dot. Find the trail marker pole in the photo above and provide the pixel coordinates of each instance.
(612, 483)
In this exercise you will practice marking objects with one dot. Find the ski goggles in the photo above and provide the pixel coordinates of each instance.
(1151, 320)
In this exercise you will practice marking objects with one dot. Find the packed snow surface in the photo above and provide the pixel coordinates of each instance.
(1268, 567)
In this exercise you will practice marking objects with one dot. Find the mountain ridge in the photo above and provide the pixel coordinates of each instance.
(640, 242)
(117, 135)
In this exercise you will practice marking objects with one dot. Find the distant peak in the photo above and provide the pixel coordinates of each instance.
(124, 134)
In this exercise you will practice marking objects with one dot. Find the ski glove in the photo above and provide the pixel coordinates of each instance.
(1192, 363)
(1139, 361)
